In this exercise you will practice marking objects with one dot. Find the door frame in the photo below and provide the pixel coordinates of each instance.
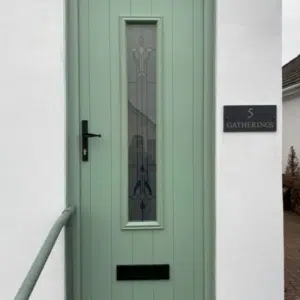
(72, 237)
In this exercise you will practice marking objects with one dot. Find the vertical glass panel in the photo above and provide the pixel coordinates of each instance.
(141, 74)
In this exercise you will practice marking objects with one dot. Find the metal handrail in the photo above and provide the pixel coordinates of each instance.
(40, 260)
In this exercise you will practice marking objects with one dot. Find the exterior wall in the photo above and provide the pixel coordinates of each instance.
(291, 126)
(32, 122)
(248, 166)
(249, 254)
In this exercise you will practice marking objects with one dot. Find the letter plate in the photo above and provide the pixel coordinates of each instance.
(143, 272)
(250, 118)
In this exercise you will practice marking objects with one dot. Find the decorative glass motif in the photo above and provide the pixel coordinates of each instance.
(141, 68)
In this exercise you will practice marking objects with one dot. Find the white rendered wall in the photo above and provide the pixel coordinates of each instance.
(32, 116)
(248, 185)
(249, 257)
(291, 126)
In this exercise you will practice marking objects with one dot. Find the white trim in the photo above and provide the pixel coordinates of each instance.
(291, 90)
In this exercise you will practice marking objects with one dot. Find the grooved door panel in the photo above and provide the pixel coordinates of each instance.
(141, 86)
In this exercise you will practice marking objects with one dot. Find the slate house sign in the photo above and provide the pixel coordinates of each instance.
(250, 118)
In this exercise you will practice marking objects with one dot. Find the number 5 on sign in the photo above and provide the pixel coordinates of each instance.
(250, 113)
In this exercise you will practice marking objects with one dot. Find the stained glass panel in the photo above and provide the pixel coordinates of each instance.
(141, 74)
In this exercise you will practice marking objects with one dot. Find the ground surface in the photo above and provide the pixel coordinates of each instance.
(292, 255)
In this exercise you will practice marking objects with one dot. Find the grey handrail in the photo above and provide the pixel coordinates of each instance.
(40, 260)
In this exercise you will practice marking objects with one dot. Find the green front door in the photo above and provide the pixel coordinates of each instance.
(144, 188)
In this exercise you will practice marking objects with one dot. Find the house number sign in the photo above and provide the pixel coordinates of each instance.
(250, 118)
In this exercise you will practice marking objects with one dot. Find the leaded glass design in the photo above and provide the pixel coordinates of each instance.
(141, 74)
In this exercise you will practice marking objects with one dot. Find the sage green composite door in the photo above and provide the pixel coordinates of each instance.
(141, 88)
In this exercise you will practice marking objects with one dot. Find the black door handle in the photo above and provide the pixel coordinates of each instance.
(85, 135)
(90, 135)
